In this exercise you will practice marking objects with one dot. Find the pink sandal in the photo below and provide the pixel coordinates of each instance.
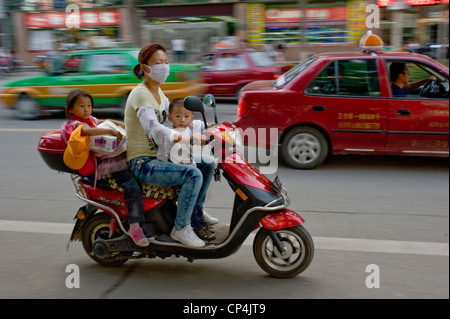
(138, 236)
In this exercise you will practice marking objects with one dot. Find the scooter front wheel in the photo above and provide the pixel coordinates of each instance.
(98, 227)
(299, 251)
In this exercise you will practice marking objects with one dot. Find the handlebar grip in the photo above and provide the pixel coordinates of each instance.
(211, 138)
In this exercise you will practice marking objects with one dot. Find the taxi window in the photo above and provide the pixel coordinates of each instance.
(355, 77)
(261, 59)
(231, 61)
(290, 75)
(205, 60)
(419, 83)
(107, 63)
(68, 65)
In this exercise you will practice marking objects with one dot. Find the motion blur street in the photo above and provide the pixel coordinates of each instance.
(391, 212)
(380, 223)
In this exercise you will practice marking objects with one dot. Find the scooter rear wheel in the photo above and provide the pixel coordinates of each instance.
(98, 227)
(299, 248)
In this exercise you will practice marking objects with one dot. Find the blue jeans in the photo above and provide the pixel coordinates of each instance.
(194, 182)
(132, 195)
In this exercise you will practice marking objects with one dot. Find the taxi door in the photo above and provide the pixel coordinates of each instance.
(350, 105)
(418, 125)
(229, 72)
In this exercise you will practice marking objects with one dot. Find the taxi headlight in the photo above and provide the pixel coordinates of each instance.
(233, 137)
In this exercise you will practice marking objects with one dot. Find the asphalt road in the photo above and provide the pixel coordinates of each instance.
(380, 226)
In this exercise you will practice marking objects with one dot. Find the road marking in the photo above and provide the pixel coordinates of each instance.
(382, 246)
(35, 227)
(323, 243)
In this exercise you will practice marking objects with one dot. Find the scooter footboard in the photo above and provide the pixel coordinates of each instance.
(285, 218)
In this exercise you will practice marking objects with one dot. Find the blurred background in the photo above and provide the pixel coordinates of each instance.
(33, 31)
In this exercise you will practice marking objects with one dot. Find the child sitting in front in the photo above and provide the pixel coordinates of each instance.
(79, 106)
(181, 118)
(180, 153)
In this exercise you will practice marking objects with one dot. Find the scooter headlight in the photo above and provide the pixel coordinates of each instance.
(232, 137)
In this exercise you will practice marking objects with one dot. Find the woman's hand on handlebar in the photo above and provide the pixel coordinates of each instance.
(198, 139)
(178, 138)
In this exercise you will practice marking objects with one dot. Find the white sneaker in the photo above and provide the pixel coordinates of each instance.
(187, 236)
(209, 219)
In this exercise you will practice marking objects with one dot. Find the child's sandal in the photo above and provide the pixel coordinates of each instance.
(138, 237)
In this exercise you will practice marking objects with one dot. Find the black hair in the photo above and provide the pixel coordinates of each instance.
(72, 97)
(396, 69)
(174, 103)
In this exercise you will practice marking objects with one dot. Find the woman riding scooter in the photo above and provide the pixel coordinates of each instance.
(145, 112)
(282, 246)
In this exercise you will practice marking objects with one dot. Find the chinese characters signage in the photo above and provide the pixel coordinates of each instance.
(255, 22)
(356, 17)
(387, 3)
(328, 13)
(58, 19)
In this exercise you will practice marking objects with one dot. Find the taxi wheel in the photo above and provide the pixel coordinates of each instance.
(27, 108)
(304, 148)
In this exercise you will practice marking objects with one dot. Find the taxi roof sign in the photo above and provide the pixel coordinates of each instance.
(371, 42)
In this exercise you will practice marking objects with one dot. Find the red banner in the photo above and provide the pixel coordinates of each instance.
(55, 19)
(310, 14)
(387, 3)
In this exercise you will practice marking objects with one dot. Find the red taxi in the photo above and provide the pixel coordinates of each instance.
(227, 72)
(344, 103)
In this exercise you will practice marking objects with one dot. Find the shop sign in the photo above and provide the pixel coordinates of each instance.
(356, 18)
(255, 22)
(388, 3)
(58, 19)
(310, 14)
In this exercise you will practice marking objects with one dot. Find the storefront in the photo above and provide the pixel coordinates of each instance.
(420, 25)
(322, 24)
(88, 29)
(45, 31)
(198, 26)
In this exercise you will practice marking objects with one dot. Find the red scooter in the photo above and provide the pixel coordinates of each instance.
(282, 246)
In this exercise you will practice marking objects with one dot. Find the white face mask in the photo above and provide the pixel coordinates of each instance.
(159, 72)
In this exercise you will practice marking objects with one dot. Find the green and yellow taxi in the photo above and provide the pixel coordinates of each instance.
(107, 74)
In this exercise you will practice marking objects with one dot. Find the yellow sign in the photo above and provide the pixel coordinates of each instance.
(255, 23)
(356, 19)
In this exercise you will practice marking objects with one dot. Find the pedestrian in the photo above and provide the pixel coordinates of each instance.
(179, 48)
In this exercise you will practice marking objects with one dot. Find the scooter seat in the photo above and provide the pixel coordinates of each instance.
(149, 191)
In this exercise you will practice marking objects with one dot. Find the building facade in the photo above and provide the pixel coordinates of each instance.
(302, 27)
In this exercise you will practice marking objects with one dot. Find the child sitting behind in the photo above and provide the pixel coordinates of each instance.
(79, 106)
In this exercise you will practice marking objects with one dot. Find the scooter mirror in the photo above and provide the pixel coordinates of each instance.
(208, 100)
(194, 104)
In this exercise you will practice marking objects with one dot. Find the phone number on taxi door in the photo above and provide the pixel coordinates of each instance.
(233, 308)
